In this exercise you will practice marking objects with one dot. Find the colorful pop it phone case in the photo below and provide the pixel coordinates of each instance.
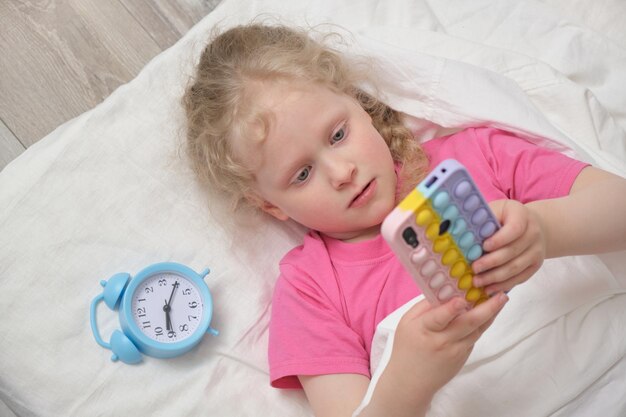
(438, 230)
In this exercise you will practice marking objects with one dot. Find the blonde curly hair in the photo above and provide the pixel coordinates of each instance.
(219, 107)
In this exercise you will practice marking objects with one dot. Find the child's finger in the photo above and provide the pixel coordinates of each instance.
(472, 338)
(508, 234)
(512, 282)
(439, 317)
(485, 326)
(505, 254)
(514, 221)
(478, 317)
(499, 257)
(508, 269)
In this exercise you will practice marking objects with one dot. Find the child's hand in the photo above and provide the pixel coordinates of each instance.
(431, 344)
(515, 252)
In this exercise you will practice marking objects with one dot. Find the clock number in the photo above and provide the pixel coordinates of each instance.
(171, 334)
(158, 331)
(187, 291)
(162, 282)
(149, 290)
(141, 299)
(141, 311)
(183, 328)
(192, 317)
(146, 324)
(193, 304)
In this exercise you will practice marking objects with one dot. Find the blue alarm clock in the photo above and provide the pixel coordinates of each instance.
(165, 310)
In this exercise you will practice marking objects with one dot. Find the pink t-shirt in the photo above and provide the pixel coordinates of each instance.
(331, 295)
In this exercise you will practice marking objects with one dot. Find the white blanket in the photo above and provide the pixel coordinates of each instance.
(111, 191)
(558, 347)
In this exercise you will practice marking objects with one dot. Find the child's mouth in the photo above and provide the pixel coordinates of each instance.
(364, 196)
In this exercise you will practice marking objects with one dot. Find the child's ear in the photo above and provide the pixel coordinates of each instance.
(274, 211)
(266, 206)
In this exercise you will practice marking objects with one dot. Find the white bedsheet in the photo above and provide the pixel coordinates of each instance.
(110, 191)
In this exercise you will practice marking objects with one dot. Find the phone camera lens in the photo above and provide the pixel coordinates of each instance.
(410, 237)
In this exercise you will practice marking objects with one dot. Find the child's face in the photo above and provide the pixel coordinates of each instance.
(323, 164)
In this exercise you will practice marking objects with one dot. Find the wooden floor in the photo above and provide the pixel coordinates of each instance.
(59, 58)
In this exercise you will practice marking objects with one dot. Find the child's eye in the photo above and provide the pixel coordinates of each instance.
(338, 135)
(303, 175)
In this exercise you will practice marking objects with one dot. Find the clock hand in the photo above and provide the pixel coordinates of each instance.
(167, 308)
(175, 285)
(168, 320)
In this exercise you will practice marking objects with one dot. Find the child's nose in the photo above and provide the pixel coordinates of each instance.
(341, 172)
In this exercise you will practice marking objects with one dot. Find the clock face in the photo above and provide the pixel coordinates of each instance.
(167, 307)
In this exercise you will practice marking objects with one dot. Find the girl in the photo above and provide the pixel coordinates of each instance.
(277, 120)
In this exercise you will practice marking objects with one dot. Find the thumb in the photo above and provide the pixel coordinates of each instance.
(438, 318)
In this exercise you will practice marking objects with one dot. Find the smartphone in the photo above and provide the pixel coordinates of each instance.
(438, 230)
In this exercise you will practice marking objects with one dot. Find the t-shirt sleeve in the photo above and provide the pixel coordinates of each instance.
(524, 170)
(308, 334)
